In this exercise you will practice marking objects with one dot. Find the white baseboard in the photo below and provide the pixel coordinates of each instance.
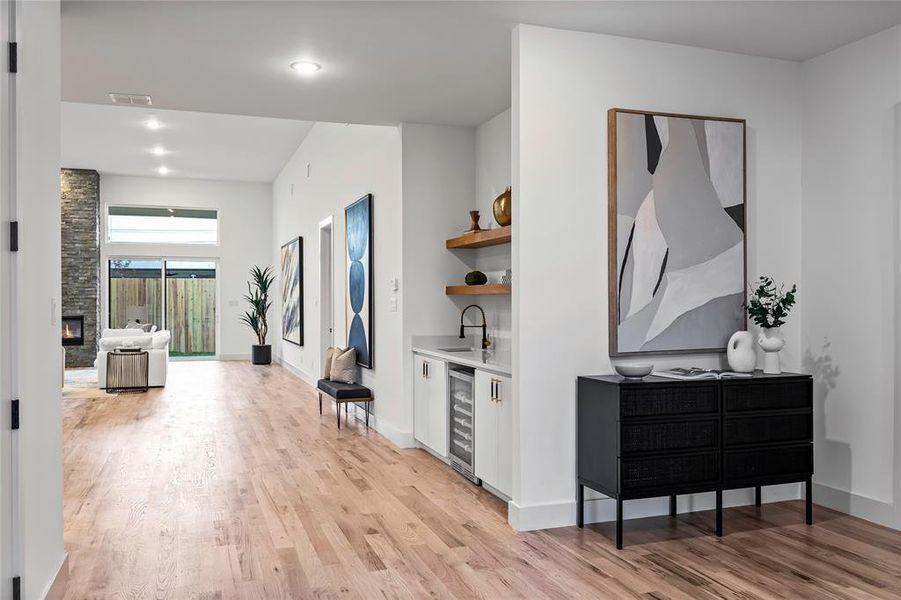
(857, 505)
(601, 509)
(234, 357)
(303, 375)
(400, 438)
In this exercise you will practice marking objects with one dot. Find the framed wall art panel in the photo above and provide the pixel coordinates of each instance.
(677, 226)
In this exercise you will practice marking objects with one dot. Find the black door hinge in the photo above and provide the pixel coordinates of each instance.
(13, 57)
(17, 588)
(13, 236)
(14, 415)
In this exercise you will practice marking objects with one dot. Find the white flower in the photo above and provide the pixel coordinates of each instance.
(769, 319)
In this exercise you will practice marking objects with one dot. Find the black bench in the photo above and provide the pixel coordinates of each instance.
(344, 393)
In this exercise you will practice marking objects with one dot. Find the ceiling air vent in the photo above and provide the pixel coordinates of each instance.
(130, 99)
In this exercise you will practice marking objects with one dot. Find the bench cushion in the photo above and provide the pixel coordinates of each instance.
(340, 391)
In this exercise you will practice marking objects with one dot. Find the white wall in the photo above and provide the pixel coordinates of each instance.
(245, 240)
(346, 162)
(493, 173)
(563, 84)
(851, 247)
(37, 289)
(439, 191)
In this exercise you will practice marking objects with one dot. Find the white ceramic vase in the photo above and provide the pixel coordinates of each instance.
(740, 353)
(771, 342)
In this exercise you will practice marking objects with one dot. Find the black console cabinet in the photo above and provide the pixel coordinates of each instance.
(653, 437)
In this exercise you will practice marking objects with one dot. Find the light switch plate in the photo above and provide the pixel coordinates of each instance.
(392, 304)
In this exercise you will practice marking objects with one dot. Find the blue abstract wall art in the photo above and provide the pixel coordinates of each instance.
(292, 291)
(358, 283)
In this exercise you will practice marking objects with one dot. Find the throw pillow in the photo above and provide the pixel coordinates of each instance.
(327, 364)
(148, 327)
(159, 340)
(344, 365)
(133, 325)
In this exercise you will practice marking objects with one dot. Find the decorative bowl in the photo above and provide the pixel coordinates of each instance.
(634, 371)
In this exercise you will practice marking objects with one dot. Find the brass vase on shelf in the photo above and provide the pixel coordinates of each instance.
(502, 207)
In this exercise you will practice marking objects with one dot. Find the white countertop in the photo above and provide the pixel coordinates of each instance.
(496, 361)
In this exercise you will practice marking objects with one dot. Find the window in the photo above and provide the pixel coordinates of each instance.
(135, 292)
(152, 225)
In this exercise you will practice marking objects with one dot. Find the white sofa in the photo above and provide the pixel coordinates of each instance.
(156, 344)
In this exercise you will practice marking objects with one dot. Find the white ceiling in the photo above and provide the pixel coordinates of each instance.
(390, 62)
(115, 140)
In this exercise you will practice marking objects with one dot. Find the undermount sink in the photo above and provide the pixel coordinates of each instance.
(455, 349)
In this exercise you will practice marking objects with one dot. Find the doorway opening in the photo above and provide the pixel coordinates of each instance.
(326, 290)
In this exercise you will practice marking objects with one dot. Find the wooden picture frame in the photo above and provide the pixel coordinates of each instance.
(615, 263)
(291, 289)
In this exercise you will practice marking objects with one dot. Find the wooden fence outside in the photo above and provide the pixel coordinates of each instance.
(190, 310)
(191, 315)
(134, 292)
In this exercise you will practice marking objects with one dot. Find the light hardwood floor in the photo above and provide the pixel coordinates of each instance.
(228, 484)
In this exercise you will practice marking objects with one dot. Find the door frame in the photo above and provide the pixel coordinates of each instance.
(326, 287)
(11, 550)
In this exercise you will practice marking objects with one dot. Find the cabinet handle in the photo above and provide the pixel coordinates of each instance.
(497, 390)
(493, 390)
(426, 365)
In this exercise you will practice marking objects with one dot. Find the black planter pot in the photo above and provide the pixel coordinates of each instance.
(262, 355)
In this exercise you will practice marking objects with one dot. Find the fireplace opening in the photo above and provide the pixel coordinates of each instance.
(73, 331)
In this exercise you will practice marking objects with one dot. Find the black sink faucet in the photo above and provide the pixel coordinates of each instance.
(483, 325)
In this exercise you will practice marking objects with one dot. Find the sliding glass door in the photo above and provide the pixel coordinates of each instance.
(174, 294)
(191, 307)
(135, 292)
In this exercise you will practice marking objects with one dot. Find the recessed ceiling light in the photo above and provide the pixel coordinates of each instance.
(158, 151)
(305, 67)
(164, 170)
(153, 123)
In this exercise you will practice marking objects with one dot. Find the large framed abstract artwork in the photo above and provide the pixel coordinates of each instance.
(292, 291)
(676, 231)
(358, 279)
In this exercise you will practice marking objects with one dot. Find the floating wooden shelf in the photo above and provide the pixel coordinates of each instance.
(489, 289)
(481, 239)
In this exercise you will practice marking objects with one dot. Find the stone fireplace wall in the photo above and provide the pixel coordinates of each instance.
(80, 200)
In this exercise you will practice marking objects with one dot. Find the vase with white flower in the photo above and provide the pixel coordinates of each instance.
(768, 306)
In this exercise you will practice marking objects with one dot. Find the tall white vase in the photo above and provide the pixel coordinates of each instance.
(740, 352)
(771, 341)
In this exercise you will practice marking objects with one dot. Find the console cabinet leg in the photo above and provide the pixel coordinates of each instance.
(719, 512)
(809, 500)
(320, 403)
(757, 496)
(619, 524)
(672, 505)
(580, 505)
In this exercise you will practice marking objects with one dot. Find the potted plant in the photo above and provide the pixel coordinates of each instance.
(257, 296)
(768, 307)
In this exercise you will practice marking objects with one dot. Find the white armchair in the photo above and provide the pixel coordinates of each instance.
(156, 344)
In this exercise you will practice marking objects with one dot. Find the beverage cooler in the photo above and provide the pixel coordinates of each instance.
(462, 421)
